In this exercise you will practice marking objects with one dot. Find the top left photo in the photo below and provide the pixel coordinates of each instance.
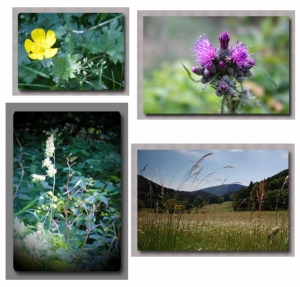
(71, 51)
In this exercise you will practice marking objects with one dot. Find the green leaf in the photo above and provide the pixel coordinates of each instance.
(66, 67)
(27, 206)
(112, 33)
(76, 150)
(265, 73)
(60, 31)
(96, 236)
(35, 71)
(47, 19)
(22, 55)
(103, 199)
(99, 184)
(63, 254)
(110, 188)
(27, 75)
(42, 86)
(116, 51)
(94, 47)
(188, 72)
(24, 197)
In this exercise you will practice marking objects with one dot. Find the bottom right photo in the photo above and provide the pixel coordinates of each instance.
(220, 200)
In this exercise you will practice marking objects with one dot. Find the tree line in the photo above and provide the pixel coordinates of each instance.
(275, 194)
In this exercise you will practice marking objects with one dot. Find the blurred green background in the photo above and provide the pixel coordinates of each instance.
(167, 41)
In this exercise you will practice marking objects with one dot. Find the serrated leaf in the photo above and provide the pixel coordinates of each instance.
(112, 33)
(60, 31)
(95, 48)
(116, 53)
(66, 67)
(47, 19)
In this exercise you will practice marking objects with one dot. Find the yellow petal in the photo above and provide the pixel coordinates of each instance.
(50, 53)
(50, 39)
(29, 46)
(38, 36)
(35, 56)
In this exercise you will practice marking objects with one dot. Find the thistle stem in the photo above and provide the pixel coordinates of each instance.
(222, 105)
(230, 105)
(242, 95)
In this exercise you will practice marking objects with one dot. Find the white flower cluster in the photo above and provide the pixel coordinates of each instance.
(49, 152)
(38, 177)
(51, 171)
(47, 162)
(49, 147)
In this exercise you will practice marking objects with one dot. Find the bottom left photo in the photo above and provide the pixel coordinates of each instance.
(66, 191)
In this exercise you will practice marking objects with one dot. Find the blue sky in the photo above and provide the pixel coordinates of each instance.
(247, 165)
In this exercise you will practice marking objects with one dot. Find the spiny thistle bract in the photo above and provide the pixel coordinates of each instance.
(225, 69)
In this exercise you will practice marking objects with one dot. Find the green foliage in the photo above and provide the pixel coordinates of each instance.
(66, 67)
(198, 201)
(140, 204)
(91, 240)
(111, 42)
(274, 197)
(220, 200)
(90, 52)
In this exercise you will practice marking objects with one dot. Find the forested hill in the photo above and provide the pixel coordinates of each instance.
(221, 190)
(274, 195)
(144, 188)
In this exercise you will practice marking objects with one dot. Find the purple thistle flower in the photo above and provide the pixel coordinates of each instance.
(204, 51)
(240, 55)
(224, 39)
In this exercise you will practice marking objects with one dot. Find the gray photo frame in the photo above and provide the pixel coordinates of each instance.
(16, 11)
(11, 108)
(134, 215)
(207, 13)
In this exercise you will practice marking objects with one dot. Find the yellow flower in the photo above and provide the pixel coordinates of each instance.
(42, 45)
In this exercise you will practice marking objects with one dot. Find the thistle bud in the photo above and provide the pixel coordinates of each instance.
(224, 39)
(221, 64)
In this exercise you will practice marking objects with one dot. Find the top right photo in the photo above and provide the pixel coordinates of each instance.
(216, 65)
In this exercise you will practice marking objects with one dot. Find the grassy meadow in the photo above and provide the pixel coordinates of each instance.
(215, 227)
